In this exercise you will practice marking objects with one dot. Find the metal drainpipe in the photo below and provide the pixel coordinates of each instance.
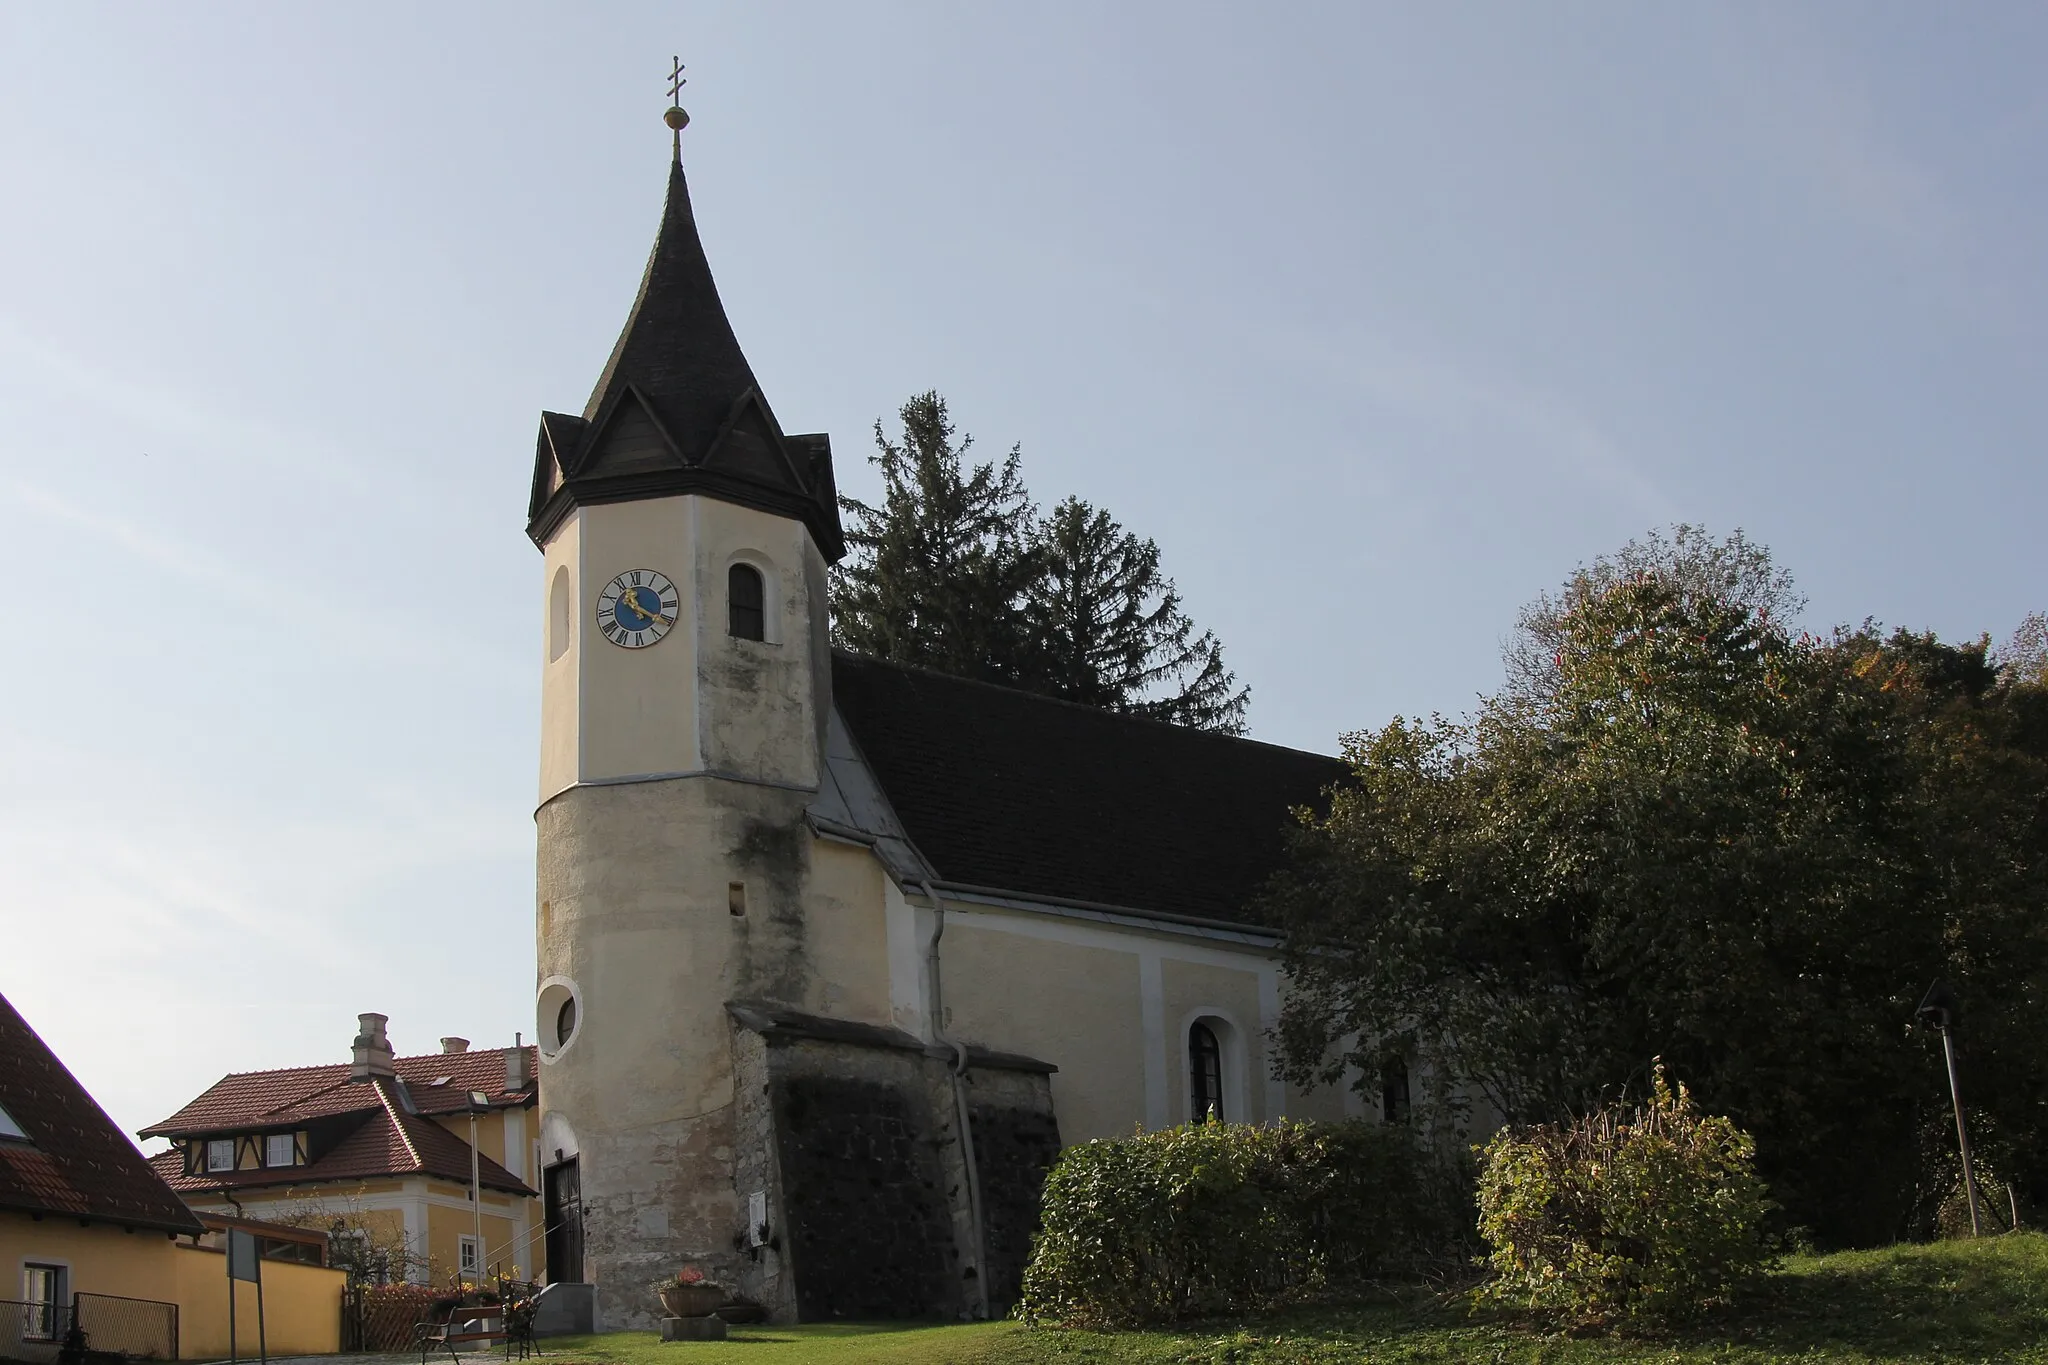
(938, 1012)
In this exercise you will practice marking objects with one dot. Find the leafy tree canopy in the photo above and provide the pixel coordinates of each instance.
(1688, 831)
(956, 571)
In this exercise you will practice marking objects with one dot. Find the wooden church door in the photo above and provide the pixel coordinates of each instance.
(562, 1208)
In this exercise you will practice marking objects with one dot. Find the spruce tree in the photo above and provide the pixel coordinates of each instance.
(1108, 629)
(937, 573)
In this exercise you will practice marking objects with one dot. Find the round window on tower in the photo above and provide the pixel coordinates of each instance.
(557, 1012)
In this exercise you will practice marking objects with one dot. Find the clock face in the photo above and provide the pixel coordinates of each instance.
(637, 608)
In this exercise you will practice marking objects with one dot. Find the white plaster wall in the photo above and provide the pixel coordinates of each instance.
(1204, 990)
(1073, 1004)
(636, 708)
(560, 750)
(846, 936)
(1109, 1004)
(761, 706)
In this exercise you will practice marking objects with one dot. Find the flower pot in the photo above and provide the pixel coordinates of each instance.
(692, 1300)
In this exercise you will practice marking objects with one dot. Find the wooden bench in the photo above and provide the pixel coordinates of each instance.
(447, 1332)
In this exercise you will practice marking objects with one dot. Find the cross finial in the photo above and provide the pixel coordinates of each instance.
(675, 118)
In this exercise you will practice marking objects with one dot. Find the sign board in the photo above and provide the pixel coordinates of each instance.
(757, 1217)
(243, 1263)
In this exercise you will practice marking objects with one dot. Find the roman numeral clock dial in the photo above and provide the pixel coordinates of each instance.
(637, 608)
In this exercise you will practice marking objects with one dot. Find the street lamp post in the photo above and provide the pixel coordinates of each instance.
(478, 1101)
(1940, 1009)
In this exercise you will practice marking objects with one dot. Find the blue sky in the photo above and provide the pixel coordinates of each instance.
(1378, 318)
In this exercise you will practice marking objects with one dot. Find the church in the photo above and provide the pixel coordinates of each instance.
(834, 955)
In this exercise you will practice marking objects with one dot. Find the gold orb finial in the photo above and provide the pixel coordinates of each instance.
(676, 118)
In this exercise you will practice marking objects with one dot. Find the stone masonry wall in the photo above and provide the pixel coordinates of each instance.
(1016, 1141)
(869, 1224)
(855, 1147)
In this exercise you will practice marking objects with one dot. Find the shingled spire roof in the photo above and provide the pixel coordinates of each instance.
(678, 410)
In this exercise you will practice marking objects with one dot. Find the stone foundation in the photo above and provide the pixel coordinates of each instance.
(847, 1137)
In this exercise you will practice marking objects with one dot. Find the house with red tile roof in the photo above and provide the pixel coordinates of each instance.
(90, 1234)
(380, 1148)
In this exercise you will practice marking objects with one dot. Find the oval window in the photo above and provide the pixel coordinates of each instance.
(565, 1022)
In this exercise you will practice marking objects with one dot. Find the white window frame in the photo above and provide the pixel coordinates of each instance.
(469, 1256)
(213, 1147)
(45, 1319)
(291, 1149)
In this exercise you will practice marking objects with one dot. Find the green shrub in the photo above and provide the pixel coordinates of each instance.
(1222, 1217)
(1636, 1217)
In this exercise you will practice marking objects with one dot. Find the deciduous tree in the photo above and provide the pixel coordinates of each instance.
(1694, 833)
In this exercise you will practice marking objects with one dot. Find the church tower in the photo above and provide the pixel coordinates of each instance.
(685, 696)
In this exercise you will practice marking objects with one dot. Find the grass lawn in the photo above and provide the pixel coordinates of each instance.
(1953, 1302)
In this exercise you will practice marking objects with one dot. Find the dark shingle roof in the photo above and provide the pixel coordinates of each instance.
(677, 408)
(73, 1161)
(1006, 790)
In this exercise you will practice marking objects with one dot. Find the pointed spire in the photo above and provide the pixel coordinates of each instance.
(677, 408)
(677, 349)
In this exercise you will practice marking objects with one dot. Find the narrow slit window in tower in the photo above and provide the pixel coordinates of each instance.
(745, 618)
(1205, 1074)
(736, 897)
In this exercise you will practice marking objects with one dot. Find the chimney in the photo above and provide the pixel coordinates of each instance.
(454, 1045)
(515, 1068)
(372, 1049)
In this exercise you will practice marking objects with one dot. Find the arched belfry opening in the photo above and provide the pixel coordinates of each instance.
(746, 615)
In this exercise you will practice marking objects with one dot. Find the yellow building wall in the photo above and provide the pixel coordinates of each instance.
(301, 1307)
(447, 1227)
(301, 1303)
(102, 1259)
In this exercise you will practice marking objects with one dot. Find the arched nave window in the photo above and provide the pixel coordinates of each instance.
(1205, 1074)
(745, 617)
(1394, 1091)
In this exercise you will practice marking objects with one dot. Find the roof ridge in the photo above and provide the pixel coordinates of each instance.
(398, 1116)
(866, 660)
(323, 1066)
(297, 1100)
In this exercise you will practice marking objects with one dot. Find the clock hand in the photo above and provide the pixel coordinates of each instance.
(652, 618)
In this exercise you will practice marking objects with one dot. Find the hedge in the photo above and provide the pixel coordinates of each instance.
(1222, 1217)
